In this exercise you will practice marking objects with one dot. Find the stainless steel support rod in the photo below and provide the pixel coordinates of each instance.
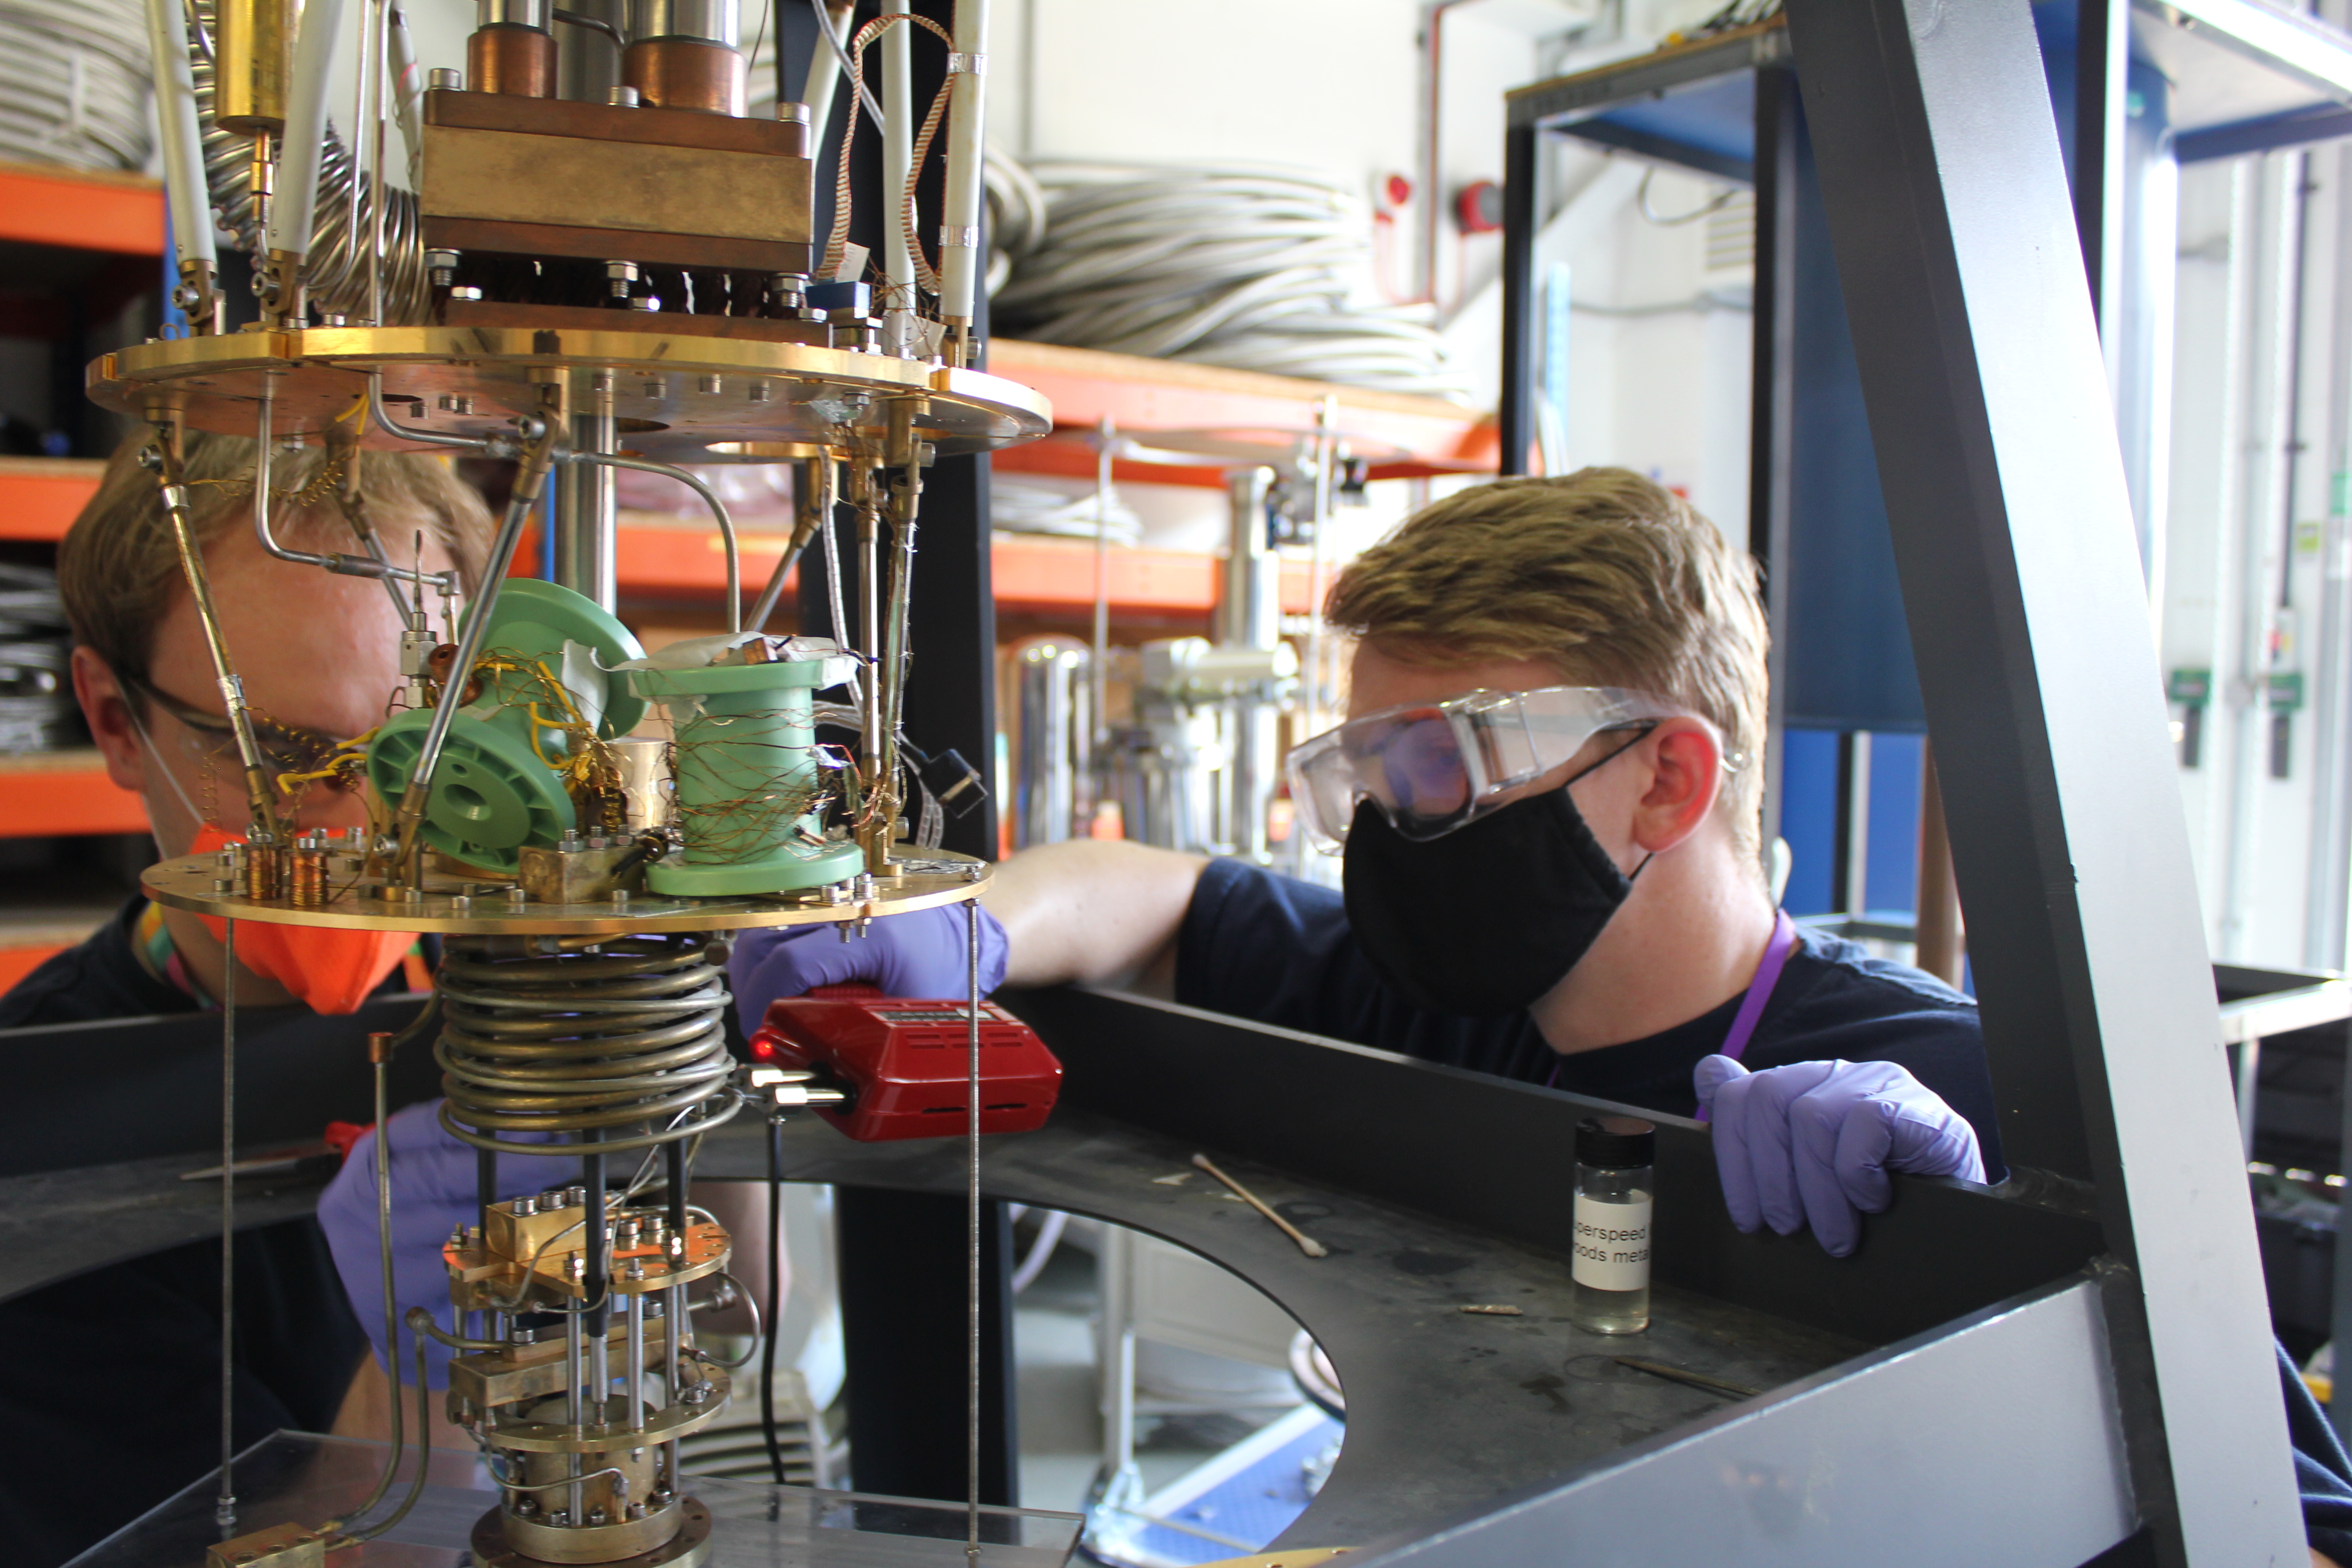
(529, 480)
(261, 800)
(586, 506)
(971, 1233)
(224, 1501)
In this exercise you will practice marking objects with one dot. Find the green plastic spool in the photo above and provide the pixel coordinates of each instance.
(491, 792)
(744, 734)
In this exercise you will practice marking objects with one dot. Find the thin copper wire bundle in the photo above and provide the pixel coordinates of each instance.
(737, 799)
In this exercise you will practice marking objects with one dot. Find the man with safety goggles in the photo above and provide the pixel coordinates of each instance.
(319, 658)
(1548, 804)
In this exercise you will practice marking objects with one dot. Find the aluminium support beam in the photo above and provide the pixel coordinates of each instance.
(1997, 451)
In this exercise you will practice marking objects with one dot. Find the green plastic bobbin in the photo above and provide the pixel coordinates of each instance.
(744, 760)
(492, 793)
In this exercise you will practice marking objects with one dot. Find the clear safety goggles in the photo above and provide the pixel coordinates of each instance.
(1431, 767)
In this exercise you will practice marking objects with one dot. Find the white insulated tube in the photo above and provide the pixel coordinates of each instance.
(960, 257)
(898, 168)
(184, 148)
(295, 208)
(824, 75)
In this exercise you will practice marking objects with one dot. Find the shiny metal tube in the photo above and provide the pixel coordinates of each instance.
(812, 496)
(1051, 680)
(713, 21)
(586, 510)
(573, 1411)
(633, 1411)
(709, 498)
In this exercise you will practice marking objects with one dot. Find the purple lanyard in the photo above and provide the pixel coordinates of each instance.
(1751, 1006)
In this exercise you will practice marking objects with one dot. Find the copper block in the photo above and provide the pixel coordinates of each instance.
(687, 73)
(510, 61)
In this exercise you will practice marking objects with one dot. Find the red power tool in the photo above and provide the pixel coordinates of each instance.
(905, 1064)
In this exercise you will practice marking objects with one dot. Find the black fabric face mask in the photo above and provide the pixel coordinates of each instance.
(1487, 918)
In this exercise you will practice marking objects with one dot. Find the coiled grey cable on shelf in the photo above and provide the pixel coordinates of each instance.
(1252, 268)
(73, 83)
(335, 273)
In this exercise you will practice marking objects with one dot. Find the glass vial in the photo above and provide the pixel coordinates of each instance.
(1612, 1268)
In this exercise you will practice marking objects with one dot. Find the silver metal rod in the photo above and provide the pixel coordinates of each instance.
(1327, 458)
(372, 565)
(971, 1233)
(673, 1332)
(635, 1398)
(261, 799)
(224, 1501)
(525, 499)
(373, 130)
(1106, 435)
(586, 510)
(575, 1324)
(814, 496)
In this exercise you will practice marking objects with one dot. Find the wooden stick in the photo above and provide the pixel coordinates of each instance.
(1680, 1374)
(1307, 1244)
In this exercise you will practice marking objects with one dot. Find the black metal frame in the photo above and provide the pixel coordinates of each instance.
(1988, 410)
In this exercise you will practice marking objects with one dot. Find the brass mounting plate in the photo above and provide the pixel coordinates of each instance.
(683, 398)
(924, 880)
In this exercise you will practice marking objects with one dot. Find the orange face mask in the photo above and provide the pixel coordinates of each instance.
(332, 970)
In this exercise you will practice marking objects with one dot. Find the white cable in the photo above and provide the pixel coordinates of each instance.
(296, 204)
(175, 114)
(73, 83)
(1255, 268)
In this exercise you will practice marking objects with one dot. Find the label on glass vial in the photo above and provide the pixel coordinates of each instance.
(1612, 1244)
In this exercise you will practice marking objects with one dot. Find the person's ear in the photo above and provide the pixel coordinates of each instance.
(1686, 774)
(107, 709)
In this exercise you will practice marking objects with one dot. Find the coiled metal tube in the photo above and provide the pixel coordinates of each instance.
(627, 1036)
(334, 274)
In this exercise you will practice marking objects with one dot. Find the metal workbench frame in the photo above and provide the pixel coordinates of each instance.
(1965, 284)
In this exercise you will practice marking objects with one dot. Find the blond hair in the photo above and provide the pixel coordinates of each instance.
(118, 566)
(1611, 578)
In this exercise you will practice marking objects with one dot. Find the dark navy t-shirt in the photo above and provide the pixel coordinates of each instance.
(1280, 951)
(136, 1344)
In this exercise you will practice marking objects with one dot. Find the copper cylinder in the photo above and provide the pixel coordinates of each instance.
(307, 884)
(507, 57)
(264, 866)
(687, 73)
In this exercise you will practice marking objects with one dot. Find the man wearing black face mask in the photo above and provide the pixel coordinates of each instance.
(1548, 798)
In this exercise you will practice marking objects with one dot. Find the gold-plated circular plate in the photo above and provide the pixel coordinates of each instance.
(922, 879)
(683, 397)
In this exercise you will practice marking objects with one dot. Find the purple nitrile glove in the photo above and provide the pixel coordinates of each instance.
(1811, 1142)
(433, 1193)
(923, 953)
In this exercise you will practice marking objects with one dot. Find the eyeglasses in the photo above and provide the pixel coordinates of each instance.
(1431, 767)
(286, 750)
